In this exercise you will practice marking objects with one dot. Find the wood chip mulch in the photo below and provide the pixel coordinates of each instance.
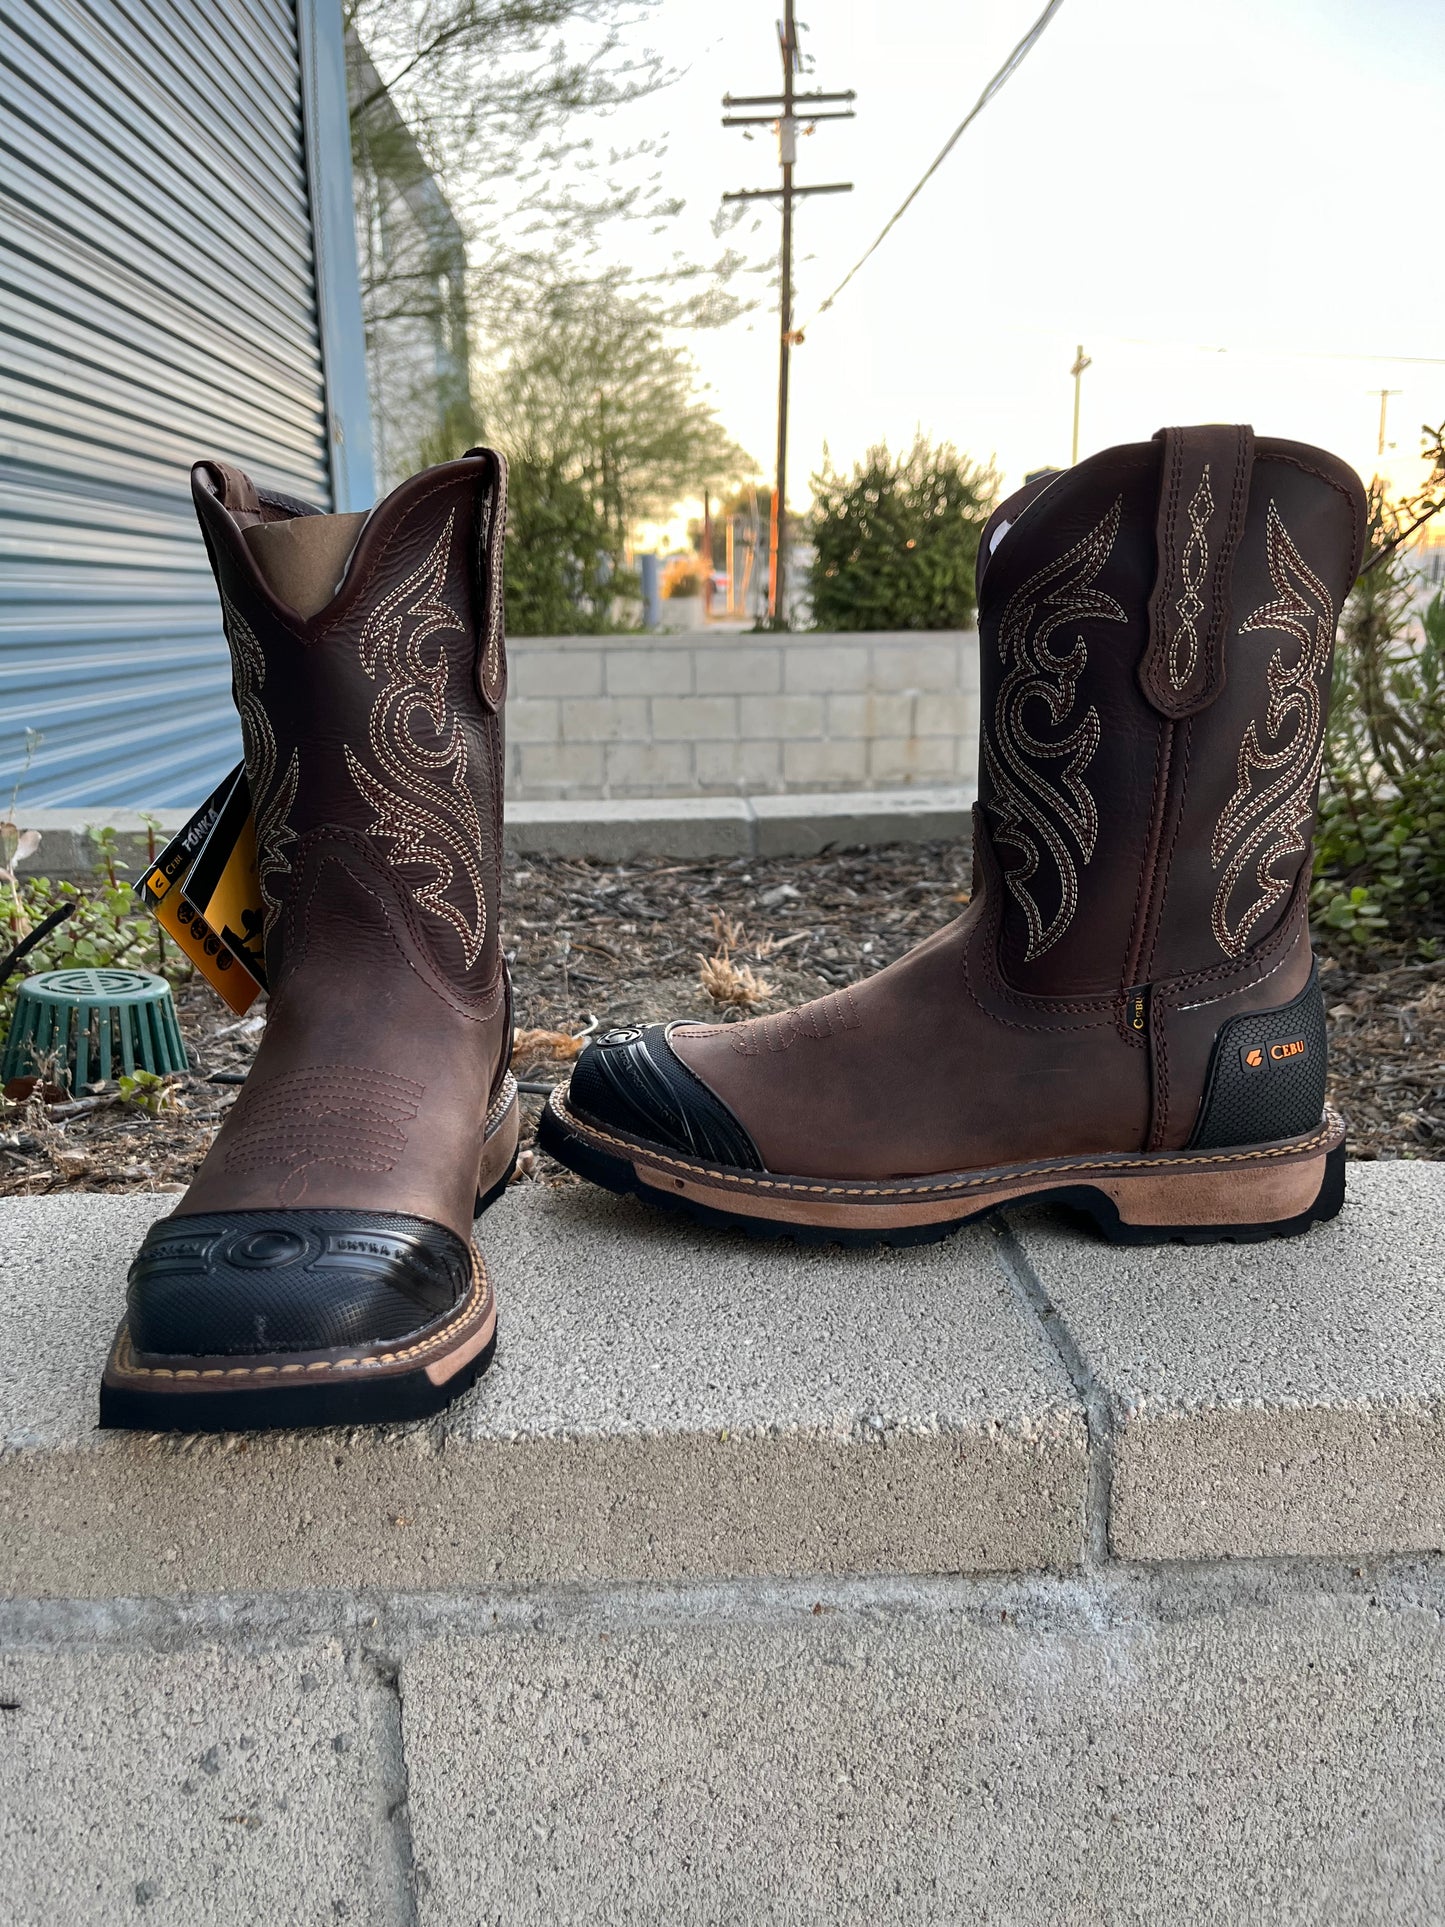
(594, 945)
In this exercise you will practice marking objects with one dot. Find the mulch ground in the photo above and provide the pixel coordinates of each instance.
(594, 945)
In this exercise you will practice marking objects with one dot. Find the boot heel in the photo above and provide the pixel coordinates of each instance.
(1228, 1203)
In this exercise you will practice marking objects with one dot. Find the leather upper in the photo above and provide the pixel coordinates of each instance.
(1156, 629)
(373, 744)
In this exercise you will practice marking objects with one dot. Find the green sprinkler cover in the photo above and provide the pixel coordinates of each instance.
(89, 1026)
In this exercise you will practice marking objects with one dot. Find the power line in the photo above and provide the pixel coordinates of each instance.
(1014, 60)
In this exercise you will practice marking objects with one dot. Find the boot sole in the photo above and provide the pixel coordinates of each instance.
(375, 1385)
(1143, 1198)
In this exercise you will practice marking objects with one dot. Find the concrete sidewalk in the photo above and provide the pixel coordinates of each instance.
(689, 829)
(1017, 1579)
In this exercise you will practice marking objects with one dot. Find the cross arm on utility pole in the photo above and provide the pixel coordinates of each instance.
(777, 100)
(798, 193)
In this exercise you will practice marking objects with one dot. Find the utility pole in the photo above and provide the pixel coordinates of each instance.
(1081, 362)
(1384, 394)
(785, 116)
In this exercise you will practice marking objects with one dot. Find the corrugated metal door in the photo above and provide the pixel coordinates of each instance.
(158, 302)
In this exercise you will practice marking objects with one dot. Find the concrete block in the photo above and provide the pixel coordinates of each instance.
(841, 763)
(561, 766)
(1031, 1758)
(645, 769)
(899, 663)
(691, 719)
(738, 669)
(605, 719)
(804, 825)
(872, 715)
(686, 827)
(67, 850)
(661, 669)
(914, 759)
(1281, 1398)
(664, 1402)
(534, 719)
(552, 671)
(212, 1787)
(785, 716)
(742, 766)
(824, 666)
(944, 713)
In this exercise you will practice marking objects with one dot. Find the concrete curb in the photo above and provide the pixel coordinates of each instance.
(664, 1404)
(683, 828)
(669, 1404)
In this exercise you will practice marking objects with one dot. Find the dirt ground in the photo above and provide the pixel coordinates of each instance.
(593, 945)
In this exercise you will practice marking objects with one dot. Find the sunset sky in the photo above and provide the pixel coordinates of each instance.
(1230, 204)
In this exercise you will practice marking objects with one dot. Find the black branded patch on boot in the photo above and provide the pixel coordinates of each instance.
(1266, 1076)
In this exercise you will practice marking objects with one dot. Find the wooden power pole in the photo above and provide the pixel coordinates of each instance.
(786, 109)
(1081, 362)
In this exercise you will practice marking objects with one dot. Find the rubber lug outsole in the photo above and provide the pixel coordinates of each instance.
(379, 1401)
(617, 1174)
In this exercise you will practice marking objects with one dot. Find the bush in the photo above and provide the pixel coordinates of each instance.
(560, 579)
(1380, 845)
(895, 543)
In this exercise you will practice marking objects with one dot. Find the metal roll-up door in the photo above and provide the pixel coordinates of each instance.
(158, 302)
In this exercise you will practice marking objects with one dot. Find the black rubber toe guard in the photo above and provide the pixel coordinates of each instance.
(240, 1283)
(633, 1081)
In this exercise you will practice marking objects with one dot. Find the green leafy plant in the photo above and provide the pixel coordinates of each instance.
(1380, 843)
(146, 1091)
(896, 541)
(106, 925)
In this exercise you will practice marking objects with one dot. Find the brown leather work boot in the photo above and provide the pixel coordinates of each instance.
(1126, 1018)
(321, 1267)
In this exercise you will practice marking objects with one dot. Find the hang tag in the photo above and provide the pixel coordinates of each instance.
(203, 891)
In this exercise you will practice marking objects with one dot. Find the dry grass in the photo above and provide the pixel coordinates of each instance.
(730, 983)
(560, 1045)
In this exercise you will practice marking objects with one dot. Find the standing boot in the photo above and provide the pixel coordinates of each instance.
(1127, 1017)
(320, 1269)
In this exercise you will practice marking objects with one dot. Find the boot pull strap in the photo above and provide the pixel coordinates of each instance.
(1203, 497)
(235, 491)
(491, 533)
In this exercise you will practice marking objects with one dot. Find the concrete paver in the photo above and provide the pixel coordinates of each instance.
(209, 1788)
(1273, 1398)
(1253, 1763)
(664, 1403)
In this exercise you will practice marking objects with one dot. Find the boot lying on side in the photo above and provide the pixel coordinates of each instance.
(1127, 1017)
(321, 1268)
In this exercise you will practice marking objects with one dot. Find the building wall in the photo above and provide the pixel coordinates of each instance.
(723, 714)
(173, 285)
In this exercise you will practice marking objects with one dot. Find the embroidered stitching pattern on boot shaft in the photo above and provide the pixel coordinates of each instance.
(1193, 567)
(1032, 811)
(1264, 826)
(270, 802)
(430, 819)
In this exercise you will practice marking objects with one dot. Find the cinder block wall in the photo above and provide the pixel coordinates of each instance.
(721, 714)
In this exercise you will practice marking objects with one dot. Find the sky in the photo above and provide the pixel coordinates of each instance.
(1230, 205)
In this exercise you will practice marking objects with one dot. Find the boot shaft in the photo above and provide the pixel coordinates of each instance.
(1157, 629)
(369, 670)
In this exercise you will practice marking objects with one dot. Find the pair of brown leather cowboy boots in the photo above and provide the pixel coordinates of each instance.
(1126, 1018)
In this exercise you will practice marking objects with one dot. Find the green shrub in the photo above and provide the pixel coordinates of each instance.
(895, 542)
(1380, 844)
